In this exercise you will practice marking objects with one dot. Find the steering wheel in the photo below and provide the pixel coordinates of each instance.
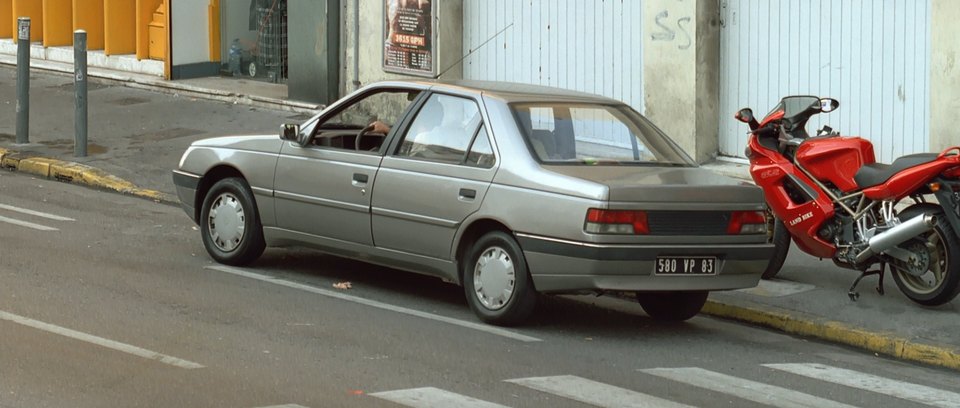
(360, 136)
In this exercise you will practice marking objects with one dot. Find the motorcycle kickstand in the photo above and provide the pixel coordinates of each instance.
(853, 294)
(882, 272)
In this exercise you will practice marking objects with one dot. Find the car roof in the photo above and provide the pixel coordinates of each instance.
(511, 91)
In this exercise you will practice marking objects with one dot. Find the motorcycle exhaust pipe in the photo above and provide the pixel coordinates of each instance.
(897, 235)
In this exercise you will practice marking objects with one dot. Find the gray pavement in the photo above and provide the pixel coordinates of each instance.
(138, 135)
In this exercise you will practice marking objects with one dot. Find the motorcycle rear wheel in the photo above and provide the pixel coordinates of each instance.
(941, 282)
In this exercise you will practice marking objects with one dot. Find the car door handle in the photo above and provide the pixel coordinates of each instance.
(360, 178)
(468, 193)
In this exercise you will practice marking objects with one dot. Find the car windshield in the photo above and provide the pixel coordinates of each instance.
(595, 134)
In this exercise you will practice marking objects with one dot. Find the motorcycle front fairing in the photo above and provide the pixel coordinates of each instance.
(792, 197)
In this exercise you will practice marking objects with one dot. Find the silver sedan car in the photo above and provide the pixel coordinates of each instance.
(507, 190)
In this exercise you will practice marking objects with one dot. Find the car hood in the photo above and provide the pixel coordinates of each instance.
(259, 143)
(666, 184)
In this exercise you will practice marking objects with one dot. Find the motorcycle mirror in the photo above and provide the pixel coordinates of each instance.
(744, 115)
(829, 104)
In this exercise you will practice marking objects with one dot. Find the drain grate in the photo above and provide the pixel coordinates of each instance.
(128, 101)
(302, 116)
(68, 87)
(167, 134)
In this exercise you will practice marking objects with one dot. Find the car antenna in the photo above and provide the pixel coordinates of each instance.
(474, 50)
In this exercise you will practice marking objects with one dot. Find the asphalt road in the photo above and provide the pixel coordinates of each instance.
(108, 300)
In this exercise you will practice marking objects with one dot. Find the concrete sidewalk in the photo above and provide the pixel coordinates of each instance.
(138, 130)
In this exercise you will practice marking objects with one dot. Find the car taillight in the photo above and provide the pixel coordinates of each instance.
(616, 222)
(747, 222)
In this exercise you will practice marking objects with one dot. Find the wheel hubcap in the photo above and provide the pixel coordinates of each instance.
(226, 222)
(494, 278)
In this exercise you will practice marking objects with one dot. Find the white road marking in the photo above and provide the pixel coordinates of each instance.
(745, 389)
(27, 224)
(894, 388)
(100, 341)
(768, 288)
(286, 406)
(429, 397)
(373, 303)
(594, 393)
(35, 213)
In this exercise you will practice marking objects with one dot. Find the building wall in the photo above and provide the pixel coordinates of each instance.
(370, 45)
(190, 34)
(944, 75)
(680, 72)
(314, 45)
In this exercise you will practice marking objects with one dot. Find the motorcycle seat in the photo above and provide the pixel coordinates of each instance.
(877, 173)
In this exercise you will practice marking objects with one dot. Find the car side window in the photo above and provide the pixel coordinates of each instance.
(442, 130)
(375, 113)
(481, 153)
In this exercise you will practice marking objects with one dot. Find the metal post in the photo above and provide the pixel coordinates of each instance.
(23, 80)
(80, 85)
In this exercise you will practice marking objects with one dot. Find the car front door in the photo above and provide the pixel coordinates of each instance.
(436, 175)
(323, 187)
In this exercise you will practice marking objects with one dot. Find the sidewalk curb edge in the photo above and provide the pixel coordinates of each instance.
(76, 173)
(836, 332)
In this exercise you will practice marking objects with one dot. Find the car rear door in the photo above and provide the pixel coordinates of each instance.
(436, 175)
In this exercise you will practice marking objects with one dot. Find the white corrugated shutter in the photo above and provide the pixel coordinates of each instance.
(587, 46)
(871, 55)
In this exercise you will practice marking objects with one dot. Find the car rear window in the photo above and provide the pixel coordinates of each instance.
(594, 134)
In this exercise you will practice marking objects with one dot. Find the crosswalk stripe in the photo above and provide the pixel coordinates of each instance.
(894, 388)
(27, 224)
(592, 392)
(743, 388)
(35, 213)
(429, 397)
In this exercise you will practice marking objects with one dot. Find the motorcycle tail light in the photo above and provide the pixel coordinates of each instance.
(627, 222)
(747, 222)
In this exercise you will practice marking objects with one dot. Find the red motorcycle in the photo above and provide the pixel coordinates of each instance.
(837, 202)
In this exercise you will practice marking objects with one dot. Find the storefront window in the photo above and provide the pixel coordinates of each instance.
(254, 39)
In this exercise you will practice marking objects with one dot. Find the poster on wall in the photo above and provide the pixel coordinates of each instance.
(410, 37)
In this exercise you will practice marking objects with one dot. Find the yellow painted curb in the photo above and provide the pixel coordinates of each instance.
(89, 176)
(837, 332)
(36, 165)
(77, 173)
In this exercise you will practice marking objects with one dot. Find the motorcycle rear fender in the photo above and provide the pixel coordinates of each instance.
(771, 171)
(910, 180)
(949, 198)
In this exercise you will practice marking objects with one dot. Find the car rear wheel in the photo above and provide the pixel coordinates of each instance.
(229, 223)
(496, 281)
(672, 306)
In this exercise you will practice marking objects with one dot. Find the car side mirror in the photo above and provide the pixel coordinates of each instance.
(290, 132)
(829, 104)
(744, 115)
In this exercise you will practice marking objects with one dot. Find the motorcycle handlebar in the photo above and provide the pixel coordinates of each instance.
(764, 131)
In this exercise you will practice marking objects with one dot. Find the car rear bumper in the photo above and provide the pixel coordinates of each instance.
(563, 266)
(186, 184)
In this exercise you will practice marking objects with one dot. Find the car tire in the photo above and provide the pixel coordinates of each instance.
(496, 281)
(781, 246)
(230, 224)
(672, 306)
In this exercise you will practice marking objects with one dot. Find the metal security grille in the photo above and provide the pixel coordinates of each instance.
(688, 222)
(872, 55)
(271, 52)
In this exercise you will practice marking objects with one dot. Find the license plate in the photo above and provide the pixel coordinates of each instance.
(686, 265)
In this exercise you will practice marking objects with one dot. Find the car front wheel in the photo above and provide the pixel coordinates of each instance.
(672, 306)
(229, 223)
(496, 280)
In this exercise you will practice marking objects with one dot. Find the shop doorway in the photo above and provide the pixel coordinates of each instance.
(253, 39)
